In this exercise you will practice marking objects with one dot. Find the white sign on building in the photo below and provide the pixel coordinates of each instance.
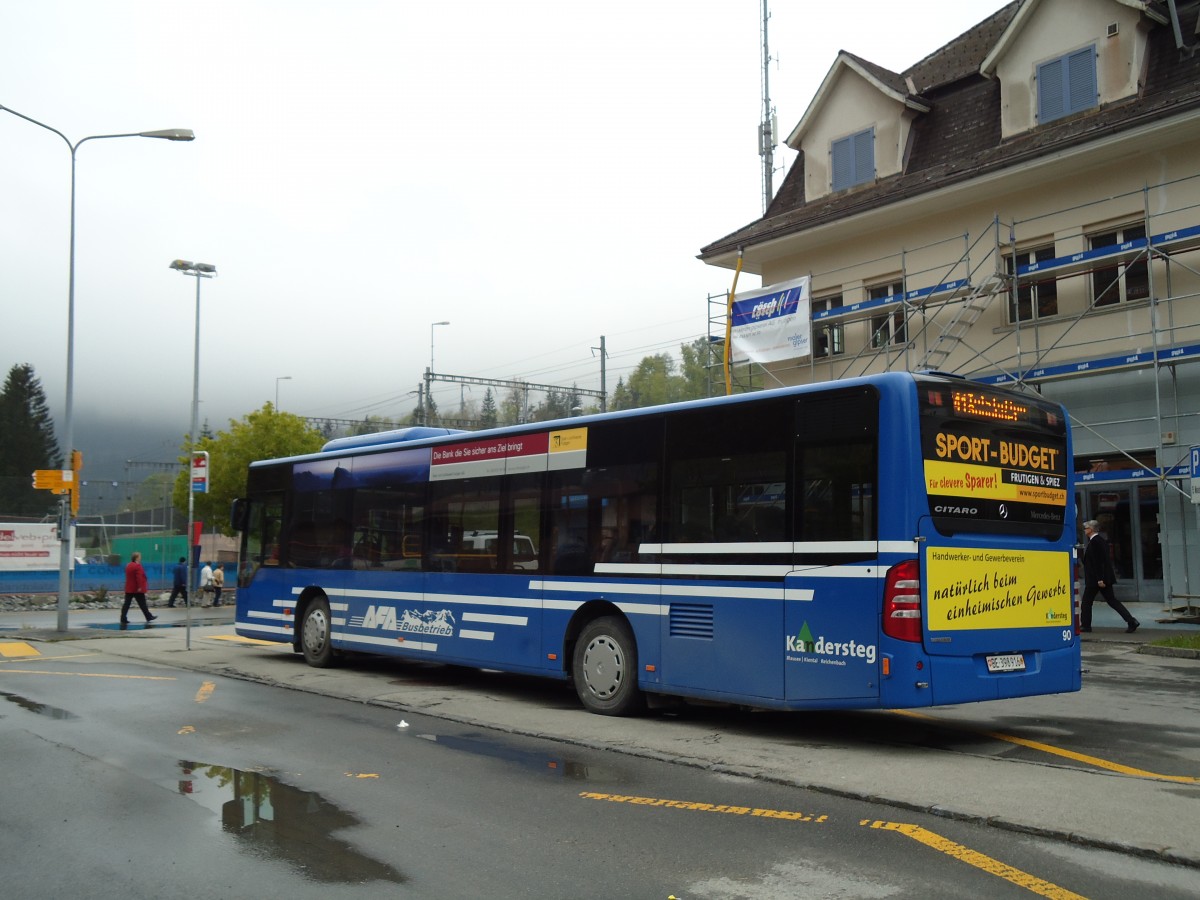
(26, 547)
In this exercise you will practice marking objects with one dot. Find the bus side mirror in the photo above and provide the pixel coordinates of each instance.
(239, 515)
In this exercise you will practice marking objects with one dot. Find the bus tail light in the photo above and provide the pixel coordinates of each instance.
(902, 602)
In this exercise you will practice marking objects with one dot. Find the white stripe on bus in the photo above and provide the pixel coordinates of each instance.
(404, 644)
(755, 548)
(492, 619)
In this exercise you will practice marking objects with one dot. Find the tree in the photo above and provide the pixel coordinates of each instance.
(653, 382)
(263, 434)
(512, 407)
(697, 381)
(489, 415)
(27, 443)
(373, 425)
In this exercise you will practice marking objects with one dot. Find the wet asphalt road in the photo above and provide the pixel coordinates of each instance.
(132, 778)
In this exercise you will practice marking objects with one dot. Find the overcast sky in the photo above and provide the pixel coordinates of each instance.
(537, 172)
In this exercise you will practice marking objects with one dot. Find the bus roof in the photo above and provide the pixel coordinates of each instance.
(422, 435)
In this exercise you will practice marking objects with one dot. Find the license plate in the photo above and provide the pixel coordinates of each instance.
(1009, 662)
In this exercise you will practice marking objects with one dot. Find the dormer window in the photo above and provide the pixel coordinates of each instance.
(853, 160)
(1067, 85)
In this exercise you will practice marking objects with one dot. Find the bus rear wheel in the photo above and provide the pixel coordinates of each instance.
(604, 668)
(316, 637)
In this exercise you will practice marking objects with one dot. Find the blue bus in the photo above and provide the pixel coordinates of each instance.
(890, 541)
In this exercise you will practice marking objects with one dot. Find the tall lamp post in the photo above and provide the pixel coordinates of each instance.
(277, 380)
(199, 271)
(429, 377)
(67, 527)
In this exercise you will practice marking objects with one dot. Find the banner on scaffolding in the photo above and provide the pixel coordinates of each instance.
(772, 323)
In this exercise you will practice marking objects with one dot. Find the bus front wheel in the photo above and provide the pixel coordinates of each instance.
(604, 668)
(316, 639)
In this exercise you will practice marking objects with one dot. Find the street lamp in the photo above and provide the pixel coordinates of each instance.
(67, 531)
(429, 377)
(277, 380)
(200, 271)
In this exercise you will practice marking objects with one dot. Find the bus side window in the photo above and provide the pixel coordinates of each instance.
(838, 496)
(260, 538)
(462, 508)
(837, 461)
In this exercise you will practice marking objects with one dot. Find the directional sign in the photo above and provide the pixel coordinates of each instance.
(57, 480)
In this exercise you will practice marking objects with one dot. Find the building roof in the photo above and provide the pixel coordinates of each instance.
(959, 138)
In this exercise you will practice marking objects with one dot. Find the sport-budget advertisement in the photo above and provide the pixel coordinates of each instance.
(1006, 478)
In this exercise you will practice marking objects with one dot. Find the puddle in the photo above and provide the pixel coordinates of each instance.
(527, 759)
(282, 822)
(41, 709)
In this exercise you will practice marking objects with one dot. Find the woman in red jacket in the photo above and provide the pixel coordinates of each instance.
(135, 589)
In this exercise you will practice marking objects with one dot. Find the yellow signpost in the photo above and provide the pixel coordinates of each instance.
(62, 481)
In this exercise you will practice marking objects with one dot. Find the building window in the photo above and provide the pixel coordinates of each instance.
(1067, 85)
(828, 337)
(853, 160)
(888, 328)
(1124, 282)
(1033, 299)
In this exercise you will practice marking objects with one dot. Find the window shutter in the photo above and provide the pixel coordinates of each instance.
(843, 164)
(1081, 80)
(1050, 91)
(864, 156)
(853, 159)
(1067, 85)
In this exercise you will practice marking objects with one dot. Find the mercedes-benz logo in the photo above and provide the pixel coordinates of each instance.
(1003, 511)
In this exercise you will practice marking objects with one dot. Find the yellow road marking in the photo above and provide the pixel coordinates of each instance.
(205, 691)
(14, 649)
(1055, 751)
(361, 775)
(187, 729)
(978, 860)
(238, 639)
(706, 807)
(8, 671)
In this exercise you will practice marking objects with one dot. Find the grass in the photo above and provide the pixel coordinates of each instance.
(1187, 641)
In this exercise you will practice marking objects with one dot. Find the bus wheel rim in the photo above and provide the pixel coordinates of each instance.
(603, 667)
(316, 630)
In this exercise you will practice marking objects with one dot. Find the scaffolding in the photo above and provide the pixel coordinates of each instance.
(967, 304)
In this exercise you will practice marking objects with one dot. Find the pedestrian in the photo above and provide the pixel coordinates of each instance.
(206, 579)
(218, 582)
(1099, 578)
(179, 586)
(135, 588)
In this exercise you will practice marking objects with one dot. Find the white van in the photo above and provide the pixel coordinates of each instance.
(524, 553)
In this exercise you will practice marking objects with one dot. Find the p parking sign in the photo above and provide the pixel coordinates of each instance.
(1195, 461)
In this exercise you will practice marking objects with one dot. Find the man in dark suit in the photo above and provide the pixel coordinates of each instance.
(1099, 578)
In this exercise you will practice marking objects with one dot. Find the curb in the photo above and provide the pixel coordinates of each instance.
(1173, 652)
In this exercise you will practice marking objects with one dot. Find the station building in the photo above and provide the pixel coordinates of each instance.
(1021, 207)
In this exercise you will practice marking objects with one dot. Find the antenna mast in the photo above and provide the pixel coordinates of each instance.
(766, 130)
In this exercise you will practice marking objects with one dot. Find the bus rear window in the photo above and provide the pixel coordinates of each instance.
(994, 461)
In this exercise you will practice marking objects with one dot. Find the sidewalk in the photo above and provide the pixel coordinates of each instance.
(1156, 624)
(1132, 815)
